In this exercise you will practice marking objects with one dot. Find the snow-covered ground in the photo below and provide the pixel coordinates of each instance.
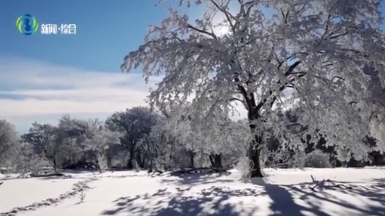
(283, 192)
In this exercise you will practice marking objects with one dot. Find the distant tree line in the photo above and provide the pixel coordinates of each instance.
(139, 138)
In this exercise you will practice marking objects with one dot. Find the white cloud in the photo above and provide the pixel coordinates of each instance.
(37, 91)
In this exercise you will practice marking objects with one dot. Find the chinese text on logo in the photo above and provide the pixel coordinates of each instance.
(63, 29)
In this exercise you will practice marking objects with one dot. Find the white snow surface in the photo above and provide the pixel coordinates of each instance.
(128, 193)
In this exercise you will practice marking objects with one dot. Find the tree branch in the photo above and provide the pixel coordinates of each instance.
(211, 34)
(227, 15)
(281, 88)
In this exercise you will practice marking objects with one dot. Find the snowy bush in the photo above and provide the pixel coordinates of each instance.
(27, 161)
(244, 167)
(317, 159)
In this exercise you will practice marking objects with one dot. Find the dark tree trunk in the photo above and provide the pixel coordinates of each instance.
(216, 160)
(192, 159)
(54, 163)
(144, 162)
(151, 166)
(254, 154)
(254, 150)
(130, 163)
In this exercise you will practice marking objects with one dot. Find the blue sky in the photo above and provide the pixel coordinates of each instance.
(106, 30)
(45, 76)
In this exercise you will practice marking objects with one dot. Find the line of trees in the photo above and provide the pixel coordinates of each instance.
(133, 139)
(139, 138)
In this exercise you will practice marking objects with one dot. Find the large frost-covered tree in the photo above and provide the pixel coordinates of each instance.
(309, 54)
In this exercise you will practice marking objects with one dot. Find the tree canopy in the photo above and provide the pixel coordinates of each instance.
(310, 55)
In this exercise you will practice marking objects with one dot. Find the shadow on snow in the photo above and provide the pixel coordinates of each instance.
(214, 201)
(197, 179)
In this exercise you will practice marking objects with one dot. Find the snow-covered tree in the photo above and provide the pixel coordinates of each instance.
(158, 146)
(214, 136)
(99, 139)
(376, 104)
(69, 144)
(9, 144)
(43, 140)
(306, 53)
(134, 124)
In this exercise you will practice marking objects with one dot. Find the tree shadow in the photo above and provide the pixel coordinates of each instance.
(78, 171)
(7, 178)
(94, 175)
(66, 177)
(314, 200)
(184, 202)
(197, 179)
(373, 192)
(281, 200)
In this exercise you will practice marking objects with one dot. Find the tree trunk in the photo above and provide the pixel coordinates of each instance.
(254, 151)
(144, 162)
(130, 164)
(151, 166)
(254, 156)
(216, 160)
(109, 161)
(192, 159)
(139, 160)
(55, 164)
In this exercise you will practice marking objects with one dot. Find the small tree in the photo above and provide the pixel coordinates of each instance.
(27, 161)
(133, 124)
(9, 144)
(43, 140)
(99, 139)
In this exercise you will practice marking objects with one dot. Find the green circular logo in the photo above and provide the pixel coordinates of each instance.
(27, 24)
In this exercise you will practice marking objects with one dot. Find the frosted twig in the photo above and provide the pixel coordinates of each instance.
(321, 184)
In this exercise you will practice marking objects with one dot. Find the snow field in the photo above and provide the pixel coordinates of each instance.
(282, 192)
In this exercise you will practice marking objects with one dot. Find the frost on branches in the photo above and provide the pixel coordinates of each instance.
(99, 139)
(306, 54)
(210, 132)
